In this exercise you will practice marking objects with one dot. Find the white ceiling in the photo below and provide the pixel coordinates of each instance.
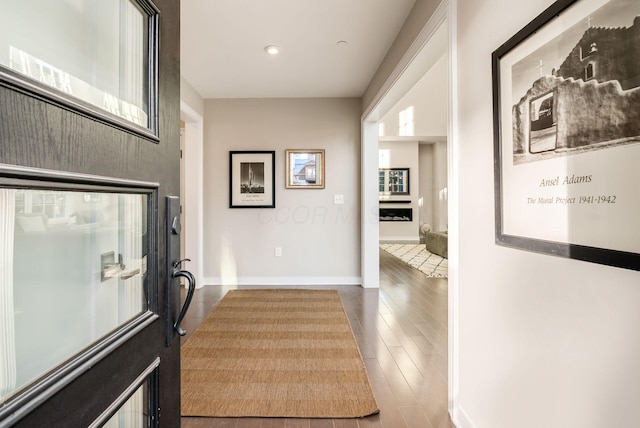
(223, 41)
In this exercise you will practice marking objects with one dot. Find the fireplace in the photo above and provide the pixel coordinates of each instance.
(396, 214)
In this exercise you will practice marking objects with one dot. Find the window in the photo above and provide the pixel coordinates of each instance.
(593, 48)
(406, 122)
(77, 272)
(393, 181)
(96, 56)
(50, 203)
(589, 71)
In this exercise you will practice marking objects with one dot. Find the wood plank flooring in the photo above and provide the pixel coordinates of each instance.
(401, 329)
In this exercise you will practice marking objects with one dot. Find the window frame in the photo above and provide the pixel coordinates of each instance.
(29, 86)
(31, 396)
(590, 65)
(398, 188)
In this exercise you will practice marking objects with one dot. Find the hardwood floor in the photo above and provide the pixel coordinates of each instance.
(401, 329)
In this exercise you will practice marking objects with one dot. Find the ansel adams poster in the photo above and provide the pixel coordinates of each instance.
(251, 179)
(569, 133)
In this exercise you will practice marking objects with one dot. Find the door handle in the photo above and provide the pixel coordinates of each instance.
(174, 315)
(182, 273)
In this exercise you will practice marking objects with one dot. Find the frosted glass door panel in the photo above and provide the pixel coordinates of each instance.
(76, 271)
(96, 51)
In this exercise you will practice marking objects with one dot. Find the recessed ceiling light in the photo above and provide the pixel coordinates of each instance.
(272, 50)
(341, 43)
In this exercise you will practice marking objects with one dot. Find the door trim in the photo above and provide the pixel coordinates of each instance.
(72, 178)
(131, 389)
(192, 199)
(28, 400)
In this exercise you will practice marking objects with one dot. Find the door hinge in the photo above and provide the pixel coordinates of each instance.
(180, 153)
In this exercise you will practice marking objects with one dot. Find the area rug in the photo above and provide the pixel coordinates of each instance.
(418, 257)
(275, 353)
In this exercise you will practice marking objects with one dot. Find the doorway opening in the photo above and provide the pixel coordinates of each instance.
(409, 71)
(191, 189)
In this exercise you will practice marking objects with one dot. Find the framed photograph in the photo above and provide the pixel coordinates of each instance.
(393, 181)
(252, 179)
(305, 169)
(566, 99)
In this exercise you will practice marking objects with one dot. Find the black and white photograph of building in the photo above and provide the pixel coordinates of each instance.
(581, 90)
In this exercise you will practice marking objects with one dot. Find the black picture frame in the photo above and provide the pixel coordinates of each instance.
(393, 181)
(565, 185)
(252, 179)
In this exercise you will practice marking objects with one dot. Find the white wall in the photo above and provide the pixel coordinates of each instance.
(440, 187)
(420, 13)
(429, 99)
(433, 185)
(401, 154)
(189, 95)
(425, 163)
(543, 341)
(320, 241)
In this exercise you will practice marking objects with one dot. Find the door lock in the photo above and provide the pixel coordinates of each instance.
(174, 271)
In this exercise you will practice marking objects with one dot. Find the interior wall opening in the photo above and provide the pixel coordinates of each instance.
(409, 71)
(191, 188)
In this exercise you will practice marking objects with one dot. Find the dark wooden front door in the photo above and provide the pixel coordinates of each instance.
(86, 291)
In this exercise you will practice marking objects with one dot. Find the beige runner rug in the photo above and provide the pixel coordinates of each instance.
(275, 353)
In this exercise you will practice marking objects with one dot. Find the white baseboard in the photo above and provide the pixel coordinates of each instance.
(460, 418)
(286, 280)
